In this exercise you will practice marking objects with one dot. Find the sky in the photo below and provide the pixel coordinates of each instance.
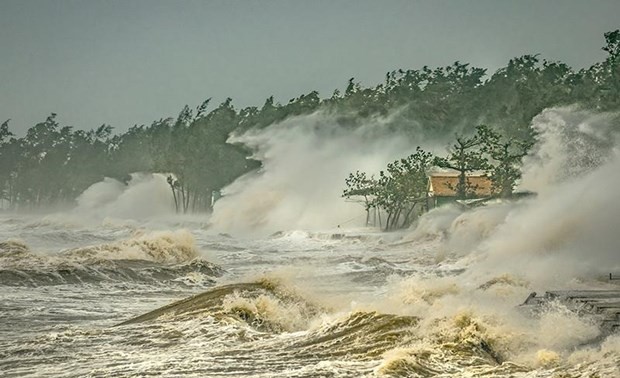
(130, 62)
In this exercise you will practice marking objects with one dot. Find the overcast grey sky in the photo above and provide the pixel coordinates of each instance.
(133, 61)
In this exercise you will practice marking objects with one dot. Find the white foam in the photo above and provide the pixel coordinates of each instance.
(144, 196)
(305, 161)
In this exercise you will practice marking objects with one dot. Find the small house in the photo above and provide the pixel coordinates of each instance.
(442, 188)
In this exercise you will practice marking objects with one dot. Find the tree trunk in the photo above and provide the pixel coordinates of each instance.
(174, 195)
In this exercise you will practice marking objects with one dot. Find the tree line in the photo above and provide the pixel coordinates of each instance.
(52, 164)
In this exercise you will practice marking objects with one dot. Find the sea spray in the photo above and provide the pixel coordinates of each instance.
(305, 161)
(144, 196)
(567, 232)
(266, 312)
(570, 143)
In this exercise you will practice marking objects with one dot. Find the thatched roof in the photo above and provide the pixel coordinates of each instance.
(444, 185)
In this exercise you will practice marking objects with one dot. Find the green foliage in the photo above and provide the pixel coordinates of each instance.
(7, 160)
(612, 40)
(504, 157)
(5, 134)
(401, 187)
(358, 184)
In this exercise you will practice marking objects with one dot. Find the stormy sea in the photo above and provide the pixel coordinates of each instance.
(285, 278)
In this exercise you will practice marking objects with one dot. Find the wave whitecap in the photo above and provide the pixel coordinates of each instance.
(156, 257)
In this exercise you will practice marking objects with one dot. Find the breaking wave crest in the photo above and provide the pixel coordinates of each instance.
(265, 305)
(156, 257)
(372, 342)
(161, 247)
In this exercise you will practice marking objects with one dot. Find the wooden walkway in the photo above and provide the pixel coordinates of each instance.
(603, 304)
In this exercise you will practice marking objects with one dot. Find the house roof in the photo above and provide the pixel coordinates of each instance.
(444, 185)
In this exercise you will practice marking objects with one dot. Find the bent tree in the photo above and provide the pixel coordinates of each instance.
(360, 186)
(505, 156)
(400, 189)
(464, 156)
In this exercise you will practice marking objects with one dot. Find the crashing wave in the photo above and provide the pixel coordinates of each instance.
(158, 257)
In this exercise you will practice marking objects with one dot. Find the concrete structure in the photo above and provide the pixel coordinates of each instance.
(603, 305)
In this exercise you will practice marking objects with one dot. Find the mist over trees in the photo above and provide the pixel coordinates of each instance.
(52, 164)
